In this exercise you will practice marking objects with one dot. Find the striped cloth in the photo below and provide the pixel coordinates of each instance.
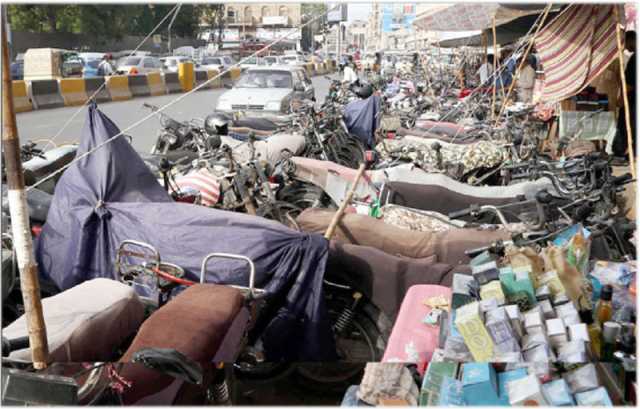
(204, 182)
(575, 48)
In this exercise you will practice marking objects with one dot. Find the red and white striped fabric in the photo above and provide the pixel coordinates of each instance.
(203, 181)
(575, 48)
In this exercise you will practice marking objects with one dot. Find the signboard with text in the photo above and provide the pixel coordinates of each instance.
(396, 16)
(271, 34)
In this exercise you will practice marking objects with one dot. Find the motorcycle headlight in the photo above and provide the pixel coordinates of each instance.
(171, 139)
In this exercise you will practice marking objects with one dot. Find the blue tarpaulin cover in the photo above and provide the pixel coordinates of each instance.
(362, 118)
(110, 196)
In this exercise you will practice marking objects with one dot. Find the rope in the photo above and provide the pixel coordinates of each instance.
(105, 82)
(179, 98)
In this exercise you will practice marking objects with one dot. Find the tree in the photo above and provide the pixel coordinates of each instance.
(310, 11)
(46, 18)
(214, 16)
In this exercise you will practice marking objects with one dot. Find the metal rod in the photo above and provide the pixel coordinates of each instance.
(343, 206)
(625, 98)
(495, 61)
(22, 242)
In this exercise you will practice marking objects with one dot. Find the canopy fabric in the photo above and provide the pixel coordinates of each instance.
(362, 118)
(468, 16)
(110, 195)
(575, 48)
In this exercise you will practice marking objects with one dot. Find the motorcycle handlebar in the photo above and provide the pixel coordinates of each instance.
(621, 180)
(462, 212)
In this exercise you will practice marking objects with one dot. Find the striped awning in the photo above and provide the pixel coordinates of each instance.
(575, 48)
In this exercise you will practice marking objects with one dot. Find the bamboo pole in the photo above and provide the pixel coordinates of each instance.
(343, 206)
(22, 242)
(625, 98)
(495, 61)
(524, 58)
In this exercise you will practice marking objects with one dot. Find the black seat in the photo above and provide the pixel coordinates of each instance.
(38, 203)
(260, 124)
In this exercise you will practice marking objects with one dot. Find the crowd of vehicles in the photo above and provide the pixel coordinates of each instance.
(268, 151)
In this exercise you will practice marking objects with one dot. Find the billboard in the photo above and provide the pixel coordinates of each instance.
(337, 15)
(396, 16)
(271, 34)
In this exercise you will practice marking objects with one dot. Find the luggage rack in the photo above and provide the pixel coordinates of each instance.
(169, 276)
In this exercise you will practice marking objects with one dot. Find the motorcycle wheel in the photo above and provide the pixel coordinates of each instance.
(306, 195)
(364, 341)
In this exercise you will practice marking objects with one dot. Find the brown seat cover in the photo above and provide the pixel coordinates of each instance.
(193, 323)
(364, 230)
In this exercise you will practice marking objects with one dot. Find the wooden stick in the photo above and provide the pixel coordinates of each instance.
(343, 206)
(495, 61)
(625, 98)
(22, 242)
(524, 58)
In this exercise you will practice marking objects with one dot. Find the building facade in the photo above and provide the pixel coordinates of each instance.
(356, 34)
(262, 22)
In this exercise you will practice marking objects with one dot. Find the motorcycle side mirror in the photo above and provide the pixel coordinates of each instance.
(228, 86)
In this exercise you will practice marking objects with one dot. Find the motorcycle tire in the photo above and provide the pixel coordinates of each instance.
(364, 341)
(306, 195)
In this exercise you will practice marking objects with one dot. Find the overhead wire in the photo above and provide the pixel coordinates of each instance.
(177, 99)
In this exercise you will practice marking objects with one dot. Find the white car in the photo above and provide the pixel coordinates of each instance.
(293, 60)
(170, 64)
(268, 90)
(216, 63)
(251, 63)
(273, 60)
(139, 65)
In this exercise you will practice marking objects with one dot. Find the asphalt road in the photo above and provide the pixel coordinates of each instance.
(45, 124)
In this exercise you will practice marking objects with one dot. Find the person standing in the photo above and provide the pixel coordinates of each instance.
(105, 68)
(485, 71)
(349, 74)
(621, 141)
(526, 80)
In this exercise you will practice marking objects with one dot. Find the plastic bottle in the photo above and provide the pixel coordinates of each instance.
(595, 334)
(604, 309)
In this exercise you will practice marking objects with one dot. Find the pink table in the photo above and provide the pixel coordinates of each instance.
(411, 339)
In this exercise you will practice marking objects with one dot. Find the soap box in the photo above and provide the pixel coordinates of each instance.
(517, 286)
(485, 273)
(469, 323)
(594, 397)
(451, 392)
(436, 372)
(526, 391)
(503, 380)
(480, 384)
(557, 393)
(493, 290)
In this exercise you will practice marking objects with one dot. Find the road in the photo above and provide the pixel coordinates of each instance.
(45, 124)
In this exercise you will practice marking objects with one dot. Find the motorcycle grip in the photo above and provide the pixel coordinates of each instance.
(460, 213)
(619, 180)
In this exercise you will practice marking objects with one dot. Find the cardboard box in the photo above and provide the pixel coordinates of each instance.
(534, 321)
(517, 287)
(492, 290)
(573, 352)
(486, 272)
(451, 392)
(460, 290)
(503, 382)
(547, 309)
(469, 323)
(579, 332)
(557, 393)
(582, 379)
(594, 397)
(526, 391)
(480, 384)
(504, 339)
(432, 381)
(556, 332)
(516, 318)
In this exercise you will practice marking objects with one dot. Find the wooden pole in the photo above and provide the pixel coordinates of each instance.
(495, 61)
(343, 206)
(22, 242)
(625, 98)
(524, 58)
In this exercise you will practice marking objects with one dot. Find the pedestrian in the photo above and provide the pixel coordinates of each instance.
(350, 75)
(105, 68)
(620, 142)
(526, 80)
(485, 71)
(506, 75)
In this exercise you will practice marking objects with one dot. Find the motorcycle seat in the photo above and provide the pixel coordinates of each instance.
(85, 323)
(195, 323)
(258, 124)
(37, 168)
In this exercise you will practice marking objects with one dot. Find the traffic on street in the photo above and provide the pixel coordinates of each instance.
(339, 204)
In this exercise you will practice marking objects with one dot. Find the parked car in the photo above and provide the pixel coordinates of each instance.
(90, 63)
(251, 63)
(71, 65)
(170, 64)
(268, 90)
(139, 65)
(294, 59)
(17, 70)
(216, 63)
(273, 60)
